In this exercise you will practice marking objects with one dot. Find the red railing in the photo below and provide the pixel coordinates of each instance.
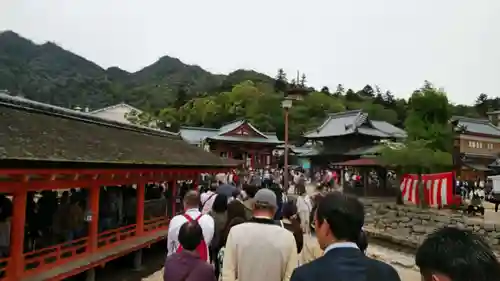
(4, 263)
(111, 237)
(40, 260)
(154, 224)
(55, 255)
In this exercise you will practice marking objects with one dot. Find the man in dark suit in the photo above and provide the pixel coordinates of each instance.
(338, 221)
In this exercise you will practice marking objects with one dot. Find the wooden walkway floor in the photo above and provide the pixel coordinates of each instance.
(85, 263)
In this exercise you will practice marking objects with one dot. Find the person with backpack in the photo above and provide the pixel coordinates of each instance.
(192, 212)
(208, 199)
(187, 265)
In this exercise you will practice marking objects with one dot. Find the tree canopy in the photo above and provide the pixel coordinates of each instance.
(429, 145)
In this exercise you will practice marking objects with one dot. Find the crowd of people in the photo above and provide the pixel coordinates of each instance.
(54, 217)
(253, 232)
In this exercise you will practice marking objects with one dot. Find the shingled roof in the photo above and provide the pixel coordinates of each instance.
(354, 121)
(196, 135)
(477, 126)
(40, 132)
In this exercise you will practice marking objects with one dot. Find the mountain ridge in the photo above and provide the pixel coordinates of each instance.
(49, 73)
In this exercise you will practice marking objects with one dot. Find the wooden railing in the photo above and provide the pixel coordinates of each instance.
(156, 224)
(40, 260)
(114, 236)
(4, 263)
(55, 255)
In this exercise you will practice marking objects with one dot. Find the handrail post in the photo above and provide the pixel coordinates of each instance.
(140, 208)
(16, 268)
(93, 217)
(174, 197)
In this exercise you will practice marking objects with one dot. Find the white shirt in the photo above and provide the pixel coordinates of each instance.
(304, 204)
(206, 222)
(207, 201)
(340, 245)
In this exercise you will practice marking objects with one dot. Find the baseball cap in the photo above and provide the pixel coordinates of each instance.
(266, 197)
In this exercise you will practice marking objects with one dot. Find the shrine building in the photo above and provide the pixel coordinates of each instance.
(238, 140)
(349, 135)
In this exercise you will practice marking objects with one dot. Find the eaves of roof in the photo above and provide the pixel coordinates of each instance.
(244, 139)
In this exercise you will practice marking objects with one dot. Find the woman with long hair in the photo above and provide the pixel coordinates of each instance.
(219, 214)
(291, 222)
(304, 207)
(311, 249)
(225, 234)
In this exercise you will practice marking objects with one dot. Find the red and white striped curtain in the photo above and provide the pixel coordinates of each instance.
(438, 188)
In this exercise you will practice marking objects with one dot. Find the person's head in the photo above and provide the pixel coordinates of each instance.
(236, 193)
(265, 204)
(452, 254)
(220, 203)
(191, 200)
(289, 210)
(235, 209)
(213, 187)
(250, 190)
(301, 189)
(320, 187)
(339, 218)
(190, 235)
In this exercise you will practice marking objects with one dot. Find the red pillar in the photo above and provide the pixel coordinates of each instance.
(230, 154)
(17, 235)
(141, 189)
(94, 217)
(252, 159)
(174, 197)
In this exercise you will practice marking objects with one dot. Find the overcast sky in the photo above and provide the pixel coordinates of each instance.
(396, 44)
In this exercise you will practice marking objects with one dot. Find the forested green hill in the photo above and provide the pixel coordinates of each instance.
(187, 94)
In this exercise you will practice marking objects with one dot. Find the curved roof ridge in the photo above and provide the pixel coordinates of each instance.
(343, 113)
(40, 107)
(470, 119)
(198, 128)
(234, 121)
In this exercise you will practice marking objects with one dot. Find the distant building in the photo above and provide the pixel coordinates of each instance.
(238, 140)
(346, 136)
(117, 112)
(478, 146)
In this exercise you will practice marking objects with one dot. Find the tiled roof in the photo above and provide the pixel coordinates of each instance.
(230, 126)
(195, 135)
(388, 128)
(355, 121)
(477, 126)
(40, 132)
(366, 150)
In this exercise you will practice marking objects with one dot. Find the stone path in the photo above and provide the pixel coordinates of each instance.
(403, 263)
